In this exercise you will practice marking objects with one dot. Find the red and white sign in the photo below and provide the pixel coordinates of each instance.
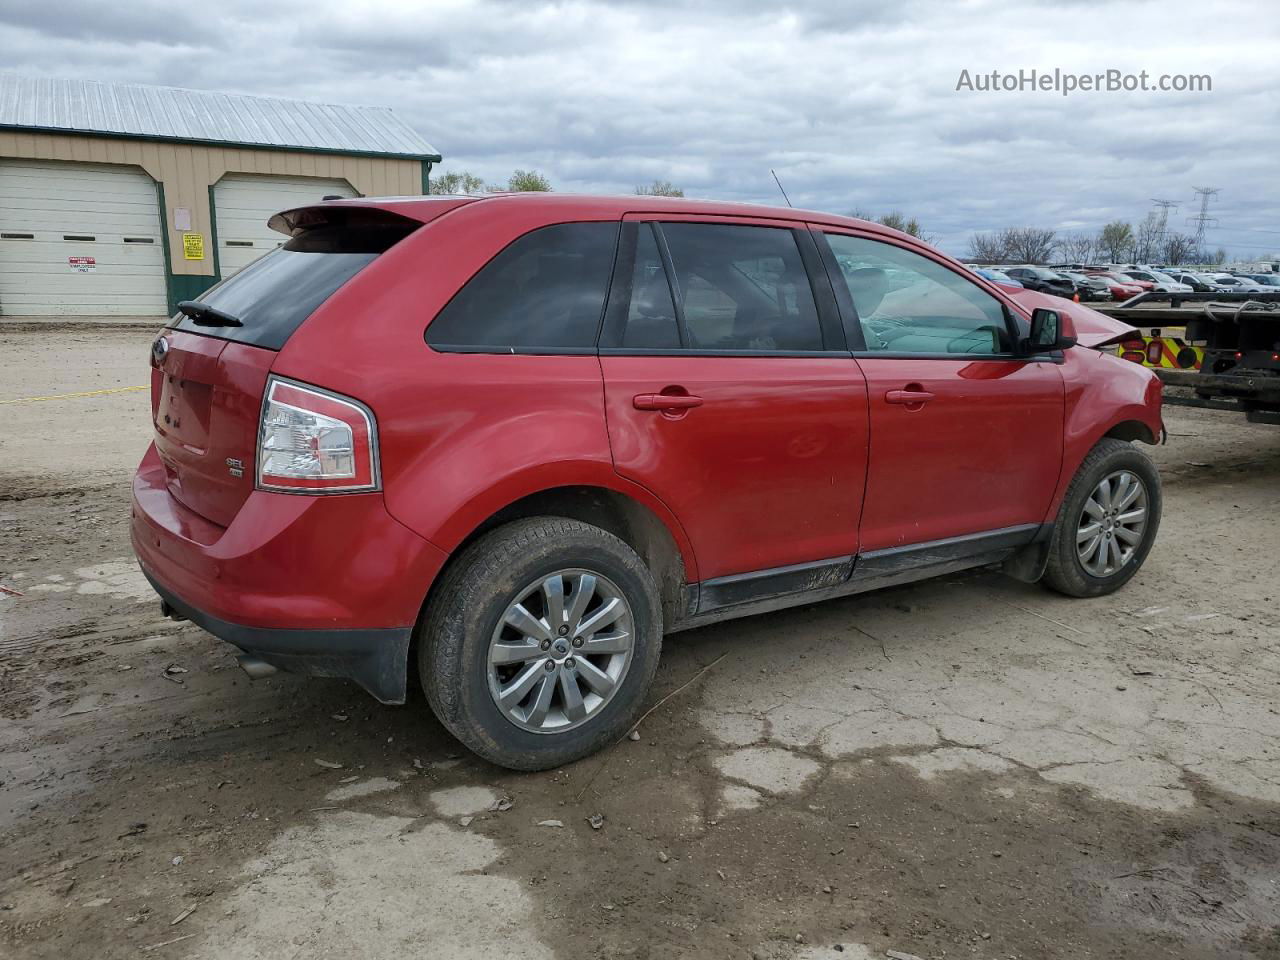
(82, 264)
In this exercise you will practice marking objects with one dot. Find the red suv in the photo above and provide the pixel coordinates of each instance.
(523, 437)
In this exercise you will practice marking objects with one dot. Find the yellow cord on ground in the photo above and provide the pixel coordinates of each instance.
(83, 393)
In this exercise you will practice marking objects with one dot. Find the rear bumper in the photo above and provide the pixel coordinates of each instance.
(377, 659)
(322, 585)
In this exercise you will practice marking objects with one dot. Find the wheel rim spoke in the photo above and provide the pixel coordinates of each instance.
(608, 613)
(539, 679)
(1132, 537)
(571, 694)
(617, 642)
(515, 691)
(525, 622)
(583, 591)
(553, 592)
(1104, 493)
(507, 653)
(1094, 509)
(595, 678)
(542, 700)
(1131, 494)
(1088, 531)
(1132, 517)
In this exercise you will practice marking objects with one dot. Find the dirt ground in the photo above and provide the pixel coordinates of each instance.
(970, 767)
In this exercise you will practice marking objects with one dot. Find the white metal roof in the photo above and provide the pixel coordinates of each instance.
(171, 113)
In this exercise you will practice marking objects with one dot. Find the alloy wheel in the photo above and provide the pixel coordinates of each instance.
(561, 650)
(1112, 524)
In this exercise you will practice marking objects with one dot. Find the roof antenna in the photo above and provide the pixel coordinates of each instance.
(779, 183)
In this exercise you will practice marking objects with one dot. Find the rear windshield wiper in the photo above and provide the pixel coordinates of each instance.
(204, 315)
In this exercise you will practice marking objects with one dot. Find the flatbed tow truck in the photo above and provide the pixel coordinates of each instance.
(1220, 351)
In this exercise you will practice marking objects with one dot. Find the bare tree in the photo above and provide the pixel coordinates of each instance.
(1180, 248)
(986, 247)
(1116, 241)
(1077, 248)
(1219, 257)
(1028, 244)
(859, 214)
(1147, 240)
(660, 188)
(457, 182)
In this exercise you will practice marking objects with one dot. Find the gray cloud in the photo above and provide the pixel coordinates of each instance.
(853, 102)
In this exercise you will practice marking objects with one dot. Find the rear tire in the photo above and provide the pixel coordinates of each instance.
(1115, 483)
(540, 642)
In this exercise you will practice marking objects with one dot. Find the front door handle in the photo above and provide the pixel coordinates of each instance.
(913, 396)
(665, 401)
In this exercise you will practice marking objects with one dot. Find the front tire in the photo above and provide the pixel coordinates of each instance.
(1107, 523)
(540, 642)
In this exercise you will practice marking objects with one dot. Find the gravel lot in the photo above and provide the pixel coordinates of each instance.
(969, 767)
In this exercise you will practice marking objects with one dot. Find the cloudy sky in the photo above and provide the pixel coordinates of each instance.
(853, 102)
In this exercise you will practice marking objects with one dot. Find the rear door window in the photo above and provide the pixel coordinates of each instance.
(274, 295)
(544, 292)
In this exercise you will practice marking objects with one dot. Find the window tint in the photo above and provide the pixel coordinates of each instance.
(742, 288)
(545, 290)
(651, 318)
(274, 295)
(907, 303)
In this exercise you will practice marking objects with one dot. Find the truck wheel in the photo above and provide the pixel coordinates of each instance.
(1107, 523)
(540, 642)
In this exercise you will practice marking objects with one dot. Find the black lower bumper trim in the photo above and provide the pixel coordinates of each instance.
(376, 658)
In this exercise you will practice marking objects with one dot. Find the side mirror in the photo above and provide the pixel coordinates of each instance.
(1050, 331)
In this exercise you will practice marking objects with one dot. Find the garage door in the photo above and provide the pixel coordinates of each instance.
(244, 203)
(79, 240)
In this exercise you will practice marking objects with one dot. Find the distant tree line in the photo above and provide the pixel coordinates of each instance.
(460, 182)
(1117, 242)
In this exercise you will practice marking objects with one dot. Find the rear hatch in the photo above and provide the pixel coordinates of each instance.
(210, 365)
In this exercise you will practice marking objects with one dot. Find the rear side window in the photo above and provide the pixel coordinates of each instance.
(544, 291)
(742, 288)
(274, 295)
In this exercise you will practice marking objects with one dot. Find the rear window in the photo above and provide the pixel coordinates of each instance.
(274, 295)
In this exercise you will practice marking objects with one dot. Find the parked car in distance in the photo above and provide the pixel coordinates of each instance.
(1192, 280)
(1087, 287)
(1042, 280)
(995, 276)
(1121, 286)
(1232, 284)
(525, 466)
(1270, 280)
(1160, 282)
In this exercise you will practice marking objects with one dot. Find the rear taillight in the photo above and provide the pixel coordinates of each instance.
(313, 441)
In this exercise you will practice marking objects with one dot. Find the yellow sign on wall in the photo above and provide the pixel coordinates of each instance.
(193, 246)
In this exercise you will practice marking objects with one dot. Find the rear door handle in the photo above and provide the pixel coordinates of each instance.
(908, 397)
(665, 401)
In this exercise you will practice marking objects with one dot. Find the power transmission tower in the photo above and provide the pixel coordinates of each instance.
(1162, 224)
(1202, 220)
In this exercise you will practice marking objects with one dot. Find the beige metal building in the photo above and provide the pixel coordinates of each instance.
(118, 199)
